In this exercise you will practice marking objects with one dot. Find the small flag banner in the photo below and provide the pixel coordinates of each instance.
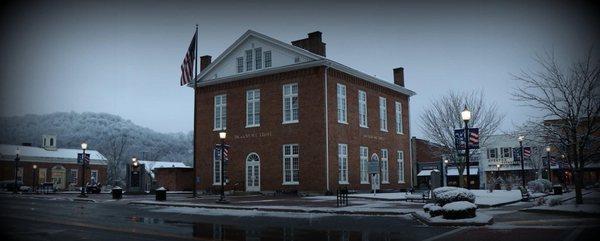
(459, 138)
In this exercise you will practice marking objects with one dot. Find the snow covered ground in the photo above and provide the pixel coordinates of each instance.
(591, 204)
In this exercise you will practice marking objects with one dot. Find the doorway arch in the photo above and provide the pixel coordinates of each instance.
(252, 172)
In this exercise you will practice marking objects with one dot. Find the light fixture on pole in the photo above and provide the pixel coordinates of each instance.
(521, 138)
(222, 136)
(84, 147)
(33, 181)
(445, 170)
(548, 149)
(466, 116)
(17, 159)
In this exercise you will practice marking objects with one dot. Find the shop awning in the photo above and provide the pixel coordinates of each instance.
(454, 171)
(424, 173)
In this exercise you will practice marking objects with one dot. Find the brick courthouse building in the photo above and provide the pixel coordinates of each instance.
(297, 121)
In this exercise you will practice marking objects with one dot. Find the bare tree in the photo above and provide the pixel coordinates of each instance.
(114, 149)
(442, 117)
(535, 138)
(569, 101)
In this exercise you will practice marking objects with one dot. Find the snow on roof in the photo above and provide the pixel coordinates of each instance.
(60, 155)
(453, 171)
(151, 165)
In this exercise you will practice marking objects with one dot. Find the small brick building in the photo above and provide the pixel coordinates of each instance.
(53, 165)
(174, 178)
(298, 121)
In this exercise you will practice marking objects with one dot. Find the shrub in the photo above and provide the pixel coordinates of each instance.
(539, 185)
(426, 207)
(435, 210)
(539, 201)
(554, 201)
(440, 190)
(455, 195)
(459, 210)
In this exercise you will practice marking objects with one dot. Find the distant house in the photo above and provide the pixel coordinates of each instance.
(58, 166)
(171, 175)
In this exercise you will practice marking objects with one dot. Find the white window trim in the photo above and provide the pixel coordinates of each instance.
(291, 164)
(342, 119)
(401, 160)
(292, 121)
(385, 174)
(383, 114)
(360, 102)
(254, 101)
(340, 157)
(399, 124)
(215, 183)
(223, 113)
(366, 166)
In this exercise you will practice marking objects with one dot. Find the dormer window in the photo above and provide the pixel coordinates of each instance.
(240, 64)
(268, 59)
(248, 60)
(258, 58)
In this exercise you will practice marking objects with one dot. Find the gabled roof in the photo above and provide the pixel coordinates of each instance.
(60, 155)
(315, 60)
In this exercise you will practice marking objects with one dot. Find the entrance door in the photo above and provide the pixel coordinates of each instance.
(252, 173)
(59, 176)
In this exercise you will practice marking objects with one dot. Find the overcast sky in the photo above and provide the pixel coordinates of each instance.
(123, 57)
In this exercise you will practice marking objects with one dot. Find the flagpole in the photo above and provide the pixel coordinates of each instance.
(194, 193)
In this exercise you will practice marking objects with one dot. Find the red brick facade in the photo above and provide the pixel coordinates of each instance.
(309, 133)
(7, 171)
(174, 179)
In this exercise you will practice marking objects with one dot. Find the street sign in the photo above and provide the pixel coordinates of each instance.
(374, 164)
(459, 138)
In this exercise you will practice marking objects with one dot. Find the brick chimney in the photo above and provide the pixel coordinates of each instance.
(399, 76)
(205, 61)
(314, 43)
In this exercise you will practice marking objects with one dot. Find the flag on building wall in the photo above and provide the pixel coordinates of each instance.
(187, 67)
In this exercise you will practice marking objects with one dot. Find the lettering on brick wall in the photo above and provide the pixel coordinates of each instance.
(252, 135)
(379, 138)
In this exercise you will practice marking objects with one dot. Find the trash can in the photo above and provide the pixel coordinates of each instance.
(161, 194)
(557, 190)
(117, 193)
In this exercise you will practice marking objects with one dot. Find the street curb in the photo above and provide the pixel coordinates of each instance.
(265, 209)
(497, 204)
(428, 221)
(561, 212)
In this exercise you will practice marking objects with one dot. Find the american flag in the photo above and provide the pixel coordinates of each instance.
(473, 138)
(187, 67)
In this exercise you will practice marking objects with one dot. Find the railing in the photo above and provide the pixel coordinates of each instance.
(342, 197)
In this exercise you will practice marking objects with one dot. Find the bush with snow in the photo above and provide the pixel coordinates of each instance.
(554, 201)
(436, 210)
(459, 210)
(539, 185)
(426, 207)
(452, 194)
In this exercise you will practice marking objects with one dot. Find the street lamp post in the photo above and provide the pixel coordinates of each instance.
(222, 136)
(521, 137)
(17, 159)
(466, 116)
(83, 147)
(445, 172)
(33, 181)
(548, 159)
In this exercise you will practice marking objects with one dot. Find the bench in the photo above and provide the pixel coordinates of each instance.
(525, 195)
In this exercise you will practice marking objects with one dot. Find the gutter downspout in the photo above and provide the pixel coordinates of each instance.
(326, 130)
(410, 148)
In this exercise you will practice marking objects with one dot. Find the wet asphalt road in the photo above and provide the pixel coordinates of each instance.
(25, 218)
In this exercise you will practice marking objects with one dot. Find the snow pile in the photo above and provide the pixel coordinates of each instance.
(554, 201)
(452, 194)
(498, 197)
(539, 185)
(459, 210)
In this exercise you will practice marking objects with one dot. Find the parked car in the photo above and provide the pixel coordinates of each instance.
(95, 188)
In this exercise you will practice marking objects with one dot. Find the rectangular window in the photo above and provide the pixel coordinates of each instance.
(216, 166)
(42, 175)
(492, 153)
(343, 163)
(94, 177)
(249, 60)
(267, 59)
(258, 57)
(400, 167)
(290, 103)
(506, 152)
(20, 174)
(362, 108)
(399, 118)
(364, 165)
(73, 175)
(252, 108)
(383, 114)
(220, 112)
(385, 175)
(290, 164)
(240, 64)
(341, 104)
